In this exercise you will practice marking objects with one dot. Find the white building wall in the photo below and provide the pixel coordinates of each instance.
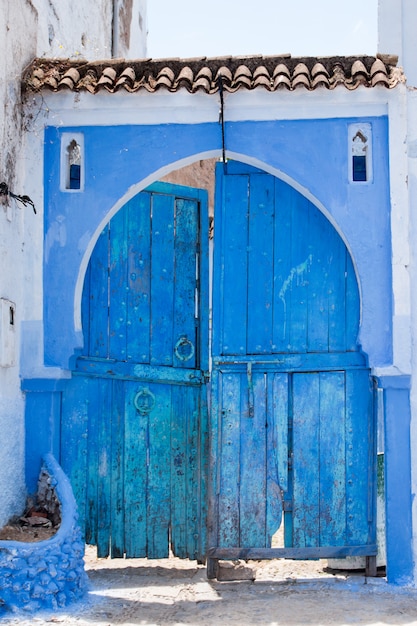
(397, 27)
(94, 29)
(129, 29)
(91, 29)
(18, 25)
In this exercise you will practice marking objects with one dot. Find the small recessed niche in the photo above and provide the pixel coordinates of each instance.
(7, 333)
(72, 162)
(360, 153)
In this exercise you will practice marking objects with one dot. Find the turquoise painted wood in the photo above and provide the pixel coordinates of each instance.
(292, 433)
(293, 426)
(134, 416)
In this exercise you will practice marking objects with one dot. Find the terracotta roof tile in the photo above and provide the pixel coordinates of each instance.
(379, 74)
(202, 74)
(127, 79)
(319, 76)
(281, 77)
(203, 79)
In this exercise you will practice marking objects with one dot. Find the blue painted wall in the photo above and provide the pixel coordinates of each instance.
(312, 153)
(398, 478)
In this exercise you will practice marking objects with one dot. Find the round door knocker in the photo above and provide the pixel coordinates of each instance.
(144, 401)
(184, 349)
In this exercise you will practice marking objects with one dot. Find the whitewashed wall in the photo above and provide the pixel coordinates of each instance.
(397, 26)
(91, 29)
(18, 25)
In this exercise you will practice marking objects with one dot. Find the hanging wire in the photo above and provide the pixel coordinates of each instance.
(221, 121)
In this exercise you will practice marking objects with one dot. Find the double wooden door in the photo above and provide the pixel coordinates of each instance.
(291, 435)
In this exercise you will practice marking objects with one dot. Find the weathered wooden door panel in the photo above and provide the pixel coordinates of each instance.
(137, 479)
(282, 270)
(137, 396)
(293, 424)
(331, 463)
(141, 301)
(249, 495)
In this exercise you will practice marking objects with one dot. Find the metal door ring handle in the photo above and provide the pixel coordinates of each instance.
(144, 401)
(184, 349)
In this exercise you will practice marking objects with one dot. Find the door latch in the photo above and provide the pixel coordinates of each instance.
(251, 402)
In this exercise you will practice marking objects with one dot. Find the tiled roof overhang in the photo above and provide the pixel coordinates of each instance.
(206, 74)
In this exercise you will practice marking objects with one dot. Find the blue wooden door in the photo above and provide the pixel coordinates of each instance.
(292, 399)
(134, 414)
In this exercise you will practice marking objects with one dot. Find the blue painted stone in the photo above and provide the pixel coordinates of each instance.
(26, 569)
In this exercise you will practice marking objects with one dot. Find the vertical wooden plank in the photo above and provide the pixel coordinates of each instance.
(136, 473)
(320, 240)
(192, 474)
(186, 313)
(85, 311)
(332, 459)
(280, 427)
(232, 295)
(159, 475)
(139, 278)
(352, 306)
(253, 496)
(99, 296)
(74, 442)
(260, 264)
(284, 196)
(289, 492)
(118, 285)
(277, 450)
(214, 464)
(204, 278)
(162, 280)
(216, 284)
(92, 473)
(336, 287)
(179, 469)
(306, 423)
(229, 504)
(104, 504)
(298, 278)
(202, 483)
(117, 496)
(359, 478)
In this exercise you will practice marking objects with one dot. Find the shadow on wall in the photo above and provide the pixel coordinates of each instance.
(48, 574)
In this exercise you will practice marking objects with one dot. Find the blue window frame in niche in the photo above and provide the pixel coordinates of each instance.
(360, 158)
(72, 166)
(359, 168)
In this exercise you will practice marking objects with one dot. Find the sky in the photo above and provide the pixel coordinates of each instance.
(189, 28)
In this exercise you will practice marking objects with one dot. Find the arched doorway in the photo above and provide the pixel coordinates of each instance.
(292, 426)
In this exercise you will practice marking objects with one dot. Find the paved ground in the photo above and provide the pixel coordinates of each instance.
(174, 592)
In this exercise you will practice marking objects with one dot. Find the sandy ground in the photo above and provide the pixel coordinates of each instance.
(175, 592)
